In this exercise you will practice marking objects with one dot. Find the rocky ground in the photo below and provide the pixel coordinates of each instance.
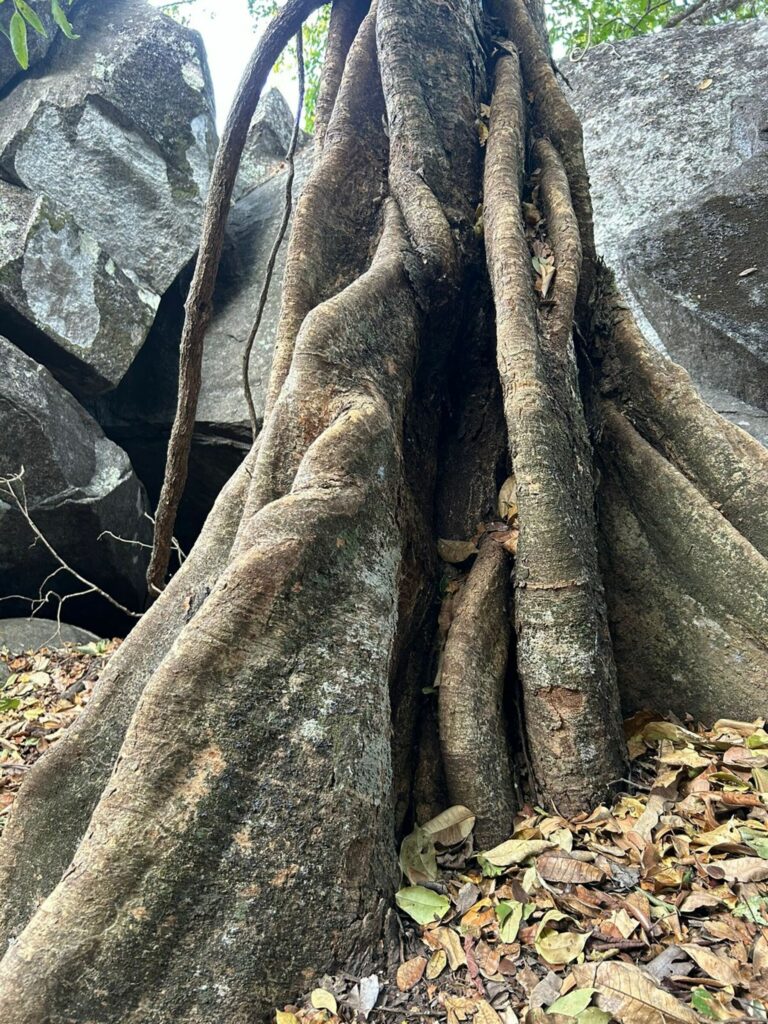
(652, 910)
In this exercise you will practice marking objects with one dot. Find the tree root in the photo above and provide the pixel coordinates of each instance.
(563, 647)
(473, 733)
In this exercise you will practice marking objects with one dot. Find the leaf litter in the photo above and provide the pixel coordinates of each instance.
(651, 911)
(41, 694)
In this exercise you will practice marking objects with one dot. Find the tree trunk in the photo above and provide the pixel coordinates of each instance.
(220, 825)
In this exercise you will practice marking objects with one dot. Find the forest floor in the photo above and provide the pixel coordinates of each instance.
(650, 911)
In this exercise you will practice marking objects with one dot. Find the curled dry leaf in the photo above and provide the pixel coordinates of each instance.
(507, 501)
(452, 826)
(450, 942)
(322, 999)
(456, 551)
(717, 965)
(437, 964)
(514, 851)
(417, 857)
(740, 869)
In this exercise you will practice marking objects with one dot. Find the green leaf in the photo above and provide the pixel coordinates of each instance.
(29, 15)
(61, 20)
(510, 915)
(417, 857)
(573, 1004)
(9, 703)
(423, 905)
(593, 1015)
(97, 648)
(701, 1001)
(18, 35)
(757, 840)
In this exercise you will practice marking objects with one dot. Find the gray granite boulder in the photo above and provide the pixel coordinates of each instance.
(116, 130)
(19, 635)
(268, 139)
(253, 225)
(676, 140)
(138, 414)
(77, 485)
(61, 292)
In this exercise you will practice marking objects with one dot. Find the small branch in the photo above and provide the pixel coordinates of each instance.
(21, 504)
(287, 207)
(702, 10)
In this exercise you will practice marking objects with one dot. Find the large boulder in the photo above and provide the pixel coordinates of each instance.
(138, 414)
(676, 140)
(19, 635)
(60, 290)
(76, 484)
(116, 131)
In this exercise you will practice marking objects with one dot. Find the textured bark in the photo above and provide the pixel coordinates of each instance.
(51, 815)
(266, 716)
(473, 730)
(219, 827)
(345, 20)
(564, 652)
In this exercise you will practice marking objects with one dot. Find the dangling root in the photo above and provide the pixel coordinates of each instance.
(473, 732)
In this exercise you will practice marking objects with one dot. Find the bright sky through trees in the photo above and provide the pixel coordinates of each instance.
(230, 35)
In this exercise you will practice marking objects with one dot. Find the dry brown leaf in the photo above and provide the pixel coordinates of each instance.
(410, 973)
(717, 965)
(456, 551)
(451, 943)
(437, 964)
(739, 869)
(554, 867)
(486, 1014)
(452, 826)
(632, 996)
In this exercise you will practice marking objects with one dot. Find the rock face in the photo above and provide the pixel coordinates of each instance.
(20, 635)
(138, 414)
(676, 138)
(77, 485)
(115, 135)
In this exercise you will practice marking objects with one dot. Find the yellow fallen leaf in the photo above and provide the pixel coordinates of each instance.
(704, 84)
(322, 999)
(437, 964)
(282, 1017)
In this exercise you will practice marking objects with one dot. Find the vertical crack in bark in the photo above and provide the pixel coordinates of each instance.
(563, 647)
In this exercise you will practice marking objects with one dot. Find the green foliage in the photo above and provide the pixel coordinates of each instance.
(315, 34)
(576, 25)
(16, 30)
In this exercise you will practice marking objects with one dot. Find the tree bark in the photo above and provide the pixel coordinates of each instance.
(219, 827)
